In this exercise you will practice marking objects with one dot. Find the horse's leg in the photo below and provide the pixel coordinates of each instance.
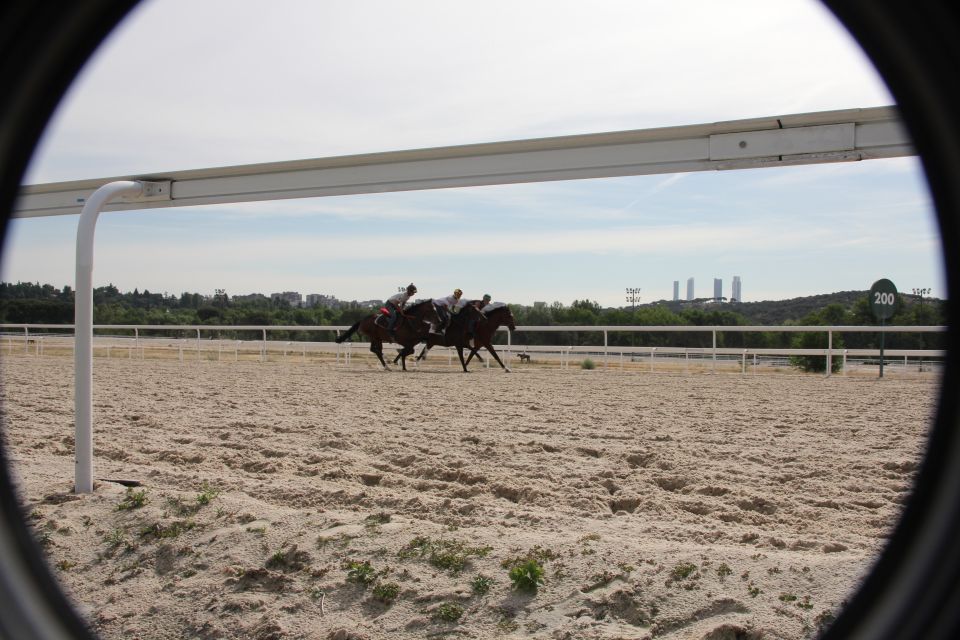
(404, 352)
(460, 353)
(377, 348)
(493, 352)
(423, 352)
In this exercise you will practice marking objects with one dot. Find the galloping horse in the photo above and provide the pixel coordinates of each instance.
(498, 315)
(412, 328)
(455, 334)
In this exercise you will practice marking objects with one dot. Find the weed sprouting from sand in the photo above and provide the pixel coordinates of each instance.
(587, 363)
(66, 565)
(787, 597)
(361, 573)
(116, 537)
(481, 584)
(448, 612)
(160, 531)
(805, 603)
(449, 555)
(386, 592)
(723, 571)
(207, 494)
(290, 560)
(754, 590)
(377, 519)
(133, 500)
(527, 576)
(683, 571)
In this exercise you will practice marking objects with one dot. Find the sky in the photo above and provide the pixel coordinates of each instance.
(187, 85)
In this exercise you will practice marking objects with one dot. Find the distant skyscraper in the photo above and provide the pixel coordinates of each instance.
(676, 290)
(689, 288)
(735, 290)
(717, 288)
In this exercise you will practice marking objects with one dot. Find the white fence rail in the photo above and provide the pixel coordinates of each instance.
(204, 344)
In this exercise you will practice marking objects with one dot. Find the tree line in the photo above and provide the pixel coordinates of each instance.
(45, 304)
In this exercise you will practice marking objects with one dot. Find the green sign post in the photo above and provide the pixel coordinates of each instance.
(883, 302)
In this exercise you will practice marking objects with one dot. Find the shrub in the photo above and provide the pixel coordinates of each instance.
(386, 592)
(481, 584)
(448, 611)
(133, 500)
(361, 573)
(587, 363)
(527, 576)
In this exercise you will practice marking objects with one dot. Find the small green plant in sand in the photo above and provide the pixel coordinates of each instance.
(449, 555)
(361, 573)
(207, 493)
(448, 612)
(588, 364)
(683, 571)
(386, 592)
(527, 576)
(160, 531)
(481, 584)
(133, 500)
(723, 571)
(66, 565)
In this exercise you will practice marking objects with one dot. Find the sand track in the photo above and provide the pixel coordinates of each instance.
(659, 505)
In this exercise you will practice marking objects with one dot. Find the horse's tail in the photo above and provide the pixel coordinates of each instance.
(348, 333)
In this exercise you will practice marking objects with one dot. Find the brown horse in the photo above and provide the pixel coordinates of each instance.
(455, 334)
(499, 315)
(413, 327)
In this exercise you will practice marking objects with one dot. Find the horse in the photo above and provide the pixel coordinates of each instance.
(455, 334)
(412, 327)
(498, 315)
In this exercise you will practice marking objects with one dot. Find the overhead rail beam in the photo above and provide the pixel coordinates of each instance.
(810, 138)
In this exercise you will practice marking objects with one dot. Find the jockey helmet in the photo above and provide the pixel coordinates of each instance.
(486, 297)
(457, 293)
(411, 289)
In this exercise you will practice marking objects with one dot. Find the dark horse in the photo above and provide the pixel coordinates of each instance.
(499, 315)
(413, 327)
(455, 334)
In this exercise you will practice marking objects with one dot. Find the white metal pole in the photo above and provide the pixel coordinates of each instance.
(829, 352)
(83, 333)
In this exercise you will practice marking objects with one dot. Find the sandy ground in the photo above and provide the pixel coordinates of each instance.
(306, 501)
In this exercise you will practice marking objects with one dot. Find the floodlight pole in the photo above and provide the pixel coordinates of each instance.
(83, 327)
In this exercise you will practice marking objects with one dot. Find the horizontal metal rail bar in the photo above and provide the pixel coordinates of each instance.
(808, 138)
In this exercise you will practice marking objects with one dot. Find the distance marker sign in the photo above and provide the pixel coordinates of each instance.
(883, 299)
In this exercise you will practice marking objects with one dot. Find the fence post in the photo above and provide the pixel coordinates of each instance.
(26, 340)
(198, 345)
(714, 351)
(653, 354)
(743, 364)
(604, 348)
(843, 370)
(829, 352)
(263, 347)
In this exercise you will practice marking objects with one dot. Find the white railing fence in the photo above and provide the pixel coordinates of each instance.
(204, 343)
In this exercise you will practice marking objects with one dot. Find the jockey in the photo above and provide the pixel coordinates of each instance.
(447, 306)
(479, 304)
(395, 305)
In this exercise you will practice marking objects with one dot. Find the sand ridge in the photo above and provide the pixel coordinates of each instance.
(290, 501)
